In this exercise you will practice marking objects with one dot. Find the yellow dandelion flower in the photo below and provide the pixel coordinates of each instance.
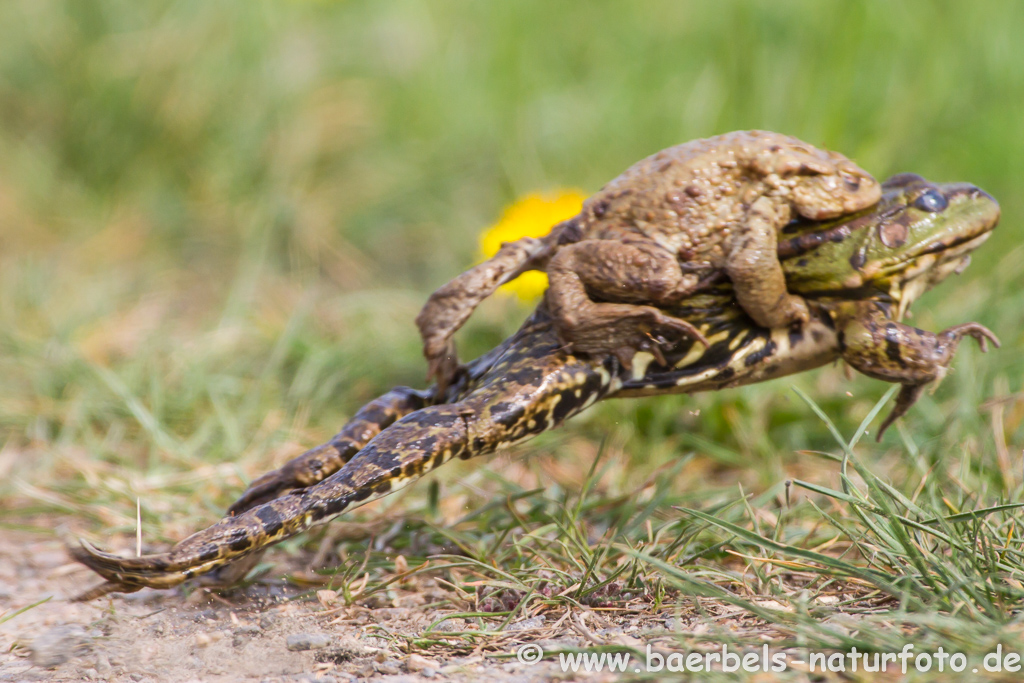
(530, 216)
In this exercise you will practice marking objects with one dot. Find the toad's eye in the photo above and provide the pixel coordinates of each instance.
(931, 201)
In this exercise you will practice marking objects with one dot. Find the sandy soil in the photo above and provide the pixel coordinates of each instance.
(242, 636)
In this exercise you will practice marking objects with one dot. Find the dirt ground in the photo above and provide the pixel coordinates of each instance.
(246, 635)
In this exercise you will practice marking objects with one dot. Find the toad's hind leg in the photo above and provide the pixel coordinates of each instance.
(318, 463)
(451, 305)
(407, 449)
(632, 273)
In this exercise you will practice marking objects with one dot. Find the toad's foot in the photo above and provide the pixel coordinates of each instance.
(624, 330)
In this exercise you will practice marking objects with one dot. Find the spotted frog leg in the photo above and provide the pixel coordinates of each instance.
(882, 348)
(531, 386)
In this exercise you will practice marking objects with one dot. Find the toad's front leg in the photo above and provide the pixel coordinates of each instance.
(882, 348)
(753, 266)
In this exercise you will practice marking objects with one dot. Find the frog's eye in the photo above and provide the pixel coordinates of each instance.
(931, 201)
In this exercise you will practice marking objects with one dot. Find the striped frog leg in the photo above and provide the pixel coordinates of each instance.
(532, 386)
(320, 462)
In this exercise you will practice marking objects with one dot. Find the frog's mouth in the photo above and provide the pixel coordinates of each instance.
(970, 219)
(893, 252)
(930, 268)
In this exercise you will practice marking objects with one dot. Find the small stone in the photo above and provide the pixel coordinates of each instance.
(450, 625)
(203, 639)
(297, 642)
(135, 676)
(58, 645)
(428, 672)
(388, 668)
(327, 598)
(527, 624)
(417, 662)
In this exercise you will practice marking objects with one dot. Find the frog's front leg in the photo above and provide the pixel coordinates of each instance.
(618, 271)
(753, 266)
(882, 348)
(450, 306)
(320, 462)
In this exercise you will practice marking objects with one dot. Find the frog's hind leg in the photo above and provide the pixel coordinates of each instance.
(530, 388)
(450, 306)
(407, 449)
(318, 463)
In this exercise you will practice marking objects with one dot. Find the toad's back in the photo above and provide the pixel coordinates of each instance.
(689, 198)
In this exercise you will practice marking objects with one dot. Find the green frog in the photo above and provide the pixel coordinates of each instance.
(857, 274)
(650, 238)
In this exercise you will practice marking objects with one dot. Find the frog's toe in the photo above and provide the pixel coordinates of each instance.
(979, 332)
(984, 335)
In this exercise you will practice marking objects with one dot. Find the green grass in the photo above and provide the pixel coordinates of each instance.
(218, 220)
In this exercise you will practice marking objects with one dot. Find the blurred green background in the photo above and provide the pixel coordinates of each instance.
(218, 220)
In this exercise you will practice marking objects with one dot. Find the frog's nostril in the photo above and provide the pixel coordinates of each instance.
(977, 192)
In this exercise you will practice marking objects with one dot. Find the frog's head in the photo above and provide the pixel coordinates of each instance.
(916, 235)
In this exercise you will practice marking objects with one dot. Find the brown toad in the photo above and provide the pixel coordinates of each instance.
(653, 235)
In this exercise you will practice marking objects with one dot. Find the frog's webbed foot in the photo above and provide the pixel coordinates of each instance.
(128, 575)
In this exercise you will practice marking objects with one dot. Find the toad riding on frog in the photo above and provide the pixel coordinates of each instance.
(850, 279)
(650, 236)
